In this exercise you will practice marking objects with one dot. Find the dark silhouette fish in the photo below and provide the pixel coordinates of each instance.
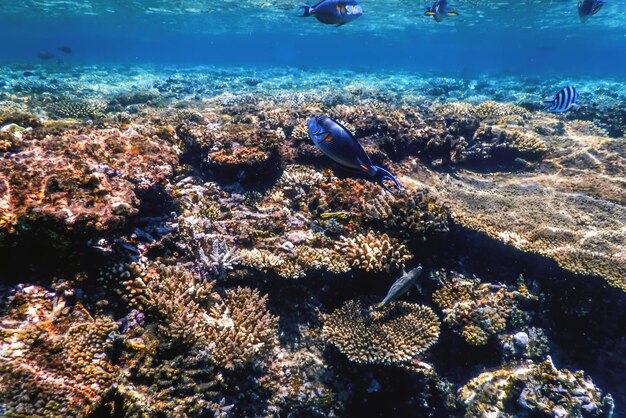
(65, 49)
(563, 101)
(45, 55)
(339, 144)
(401, 286)
(588, 8)
(439, 10)
(334, 12)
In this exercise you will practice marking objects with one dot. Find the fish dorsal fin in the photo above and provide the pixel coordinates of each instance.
(597, 8)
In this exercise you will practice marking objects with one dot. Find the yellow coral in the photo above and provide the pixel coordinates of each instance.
(373, 252)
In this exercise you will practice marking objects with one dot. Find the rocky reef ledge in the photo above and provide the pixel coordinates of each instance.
(173, 244)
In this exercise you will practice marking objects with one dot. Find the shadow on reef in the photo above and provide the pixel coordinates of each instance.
(584, 317)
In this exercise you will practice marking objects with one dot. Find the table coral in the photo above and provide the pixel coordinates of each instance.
(479, 310)
(397, 333)
(530, 389)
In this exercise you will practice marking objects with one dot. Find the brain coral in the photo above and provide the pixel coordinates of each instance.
(397, 333)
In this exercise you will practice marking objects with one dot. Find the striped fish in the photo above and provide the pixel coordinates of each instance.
(563, 101)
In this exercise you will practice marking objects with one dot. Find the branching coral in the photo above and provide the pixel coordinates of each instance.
(397, 333)
(480, 310)
(409, 216)
(534, 389)
(53, 359)
(374, 253)
(239, 330)
(302, 259)
(233, 330)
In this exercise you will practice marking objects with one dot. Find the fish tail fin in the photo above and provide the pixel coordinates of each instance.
(308, 10)
(382, 175)
(453, 14)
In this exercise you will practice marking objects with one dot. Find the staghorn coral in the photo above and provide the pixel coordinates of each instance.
(53, 359)
(67, 107)
(233, 330)
(240, 330)
(373, 253)
(534, 389)
(479, 310)
(395, 334)
(176, 297)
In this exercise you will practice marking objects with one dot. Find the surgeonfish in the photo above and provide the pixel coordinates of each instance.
(563, 101)
(65, 49)
(439, 10)
(401, 286)
(588, 8)
(334, 140)
(334, 12)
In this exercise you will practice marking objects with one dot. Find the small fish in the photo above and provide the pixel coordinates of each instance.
(588, 8)
(563, 101)
(45, 55)
(439, 10)
(334, 12)
(401, 286)
(65, 49)
(334, 140)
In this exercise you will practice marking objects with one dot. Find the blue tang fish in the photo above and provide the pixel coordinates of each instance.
(439, 10)
(587, 8)
(334, 12)
(563, 101)
(339, 144)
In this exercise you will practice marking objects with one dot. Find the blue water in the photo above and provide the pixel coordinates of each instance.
(511, 37)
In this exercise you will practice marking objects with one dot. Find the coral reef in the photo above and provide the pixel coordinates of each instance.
(394, 334)
(53, 359)
(66, 107)
(479, 310)
(81, 180)
(373, 253)
(193, 189)
(232, 330)
(530, 389)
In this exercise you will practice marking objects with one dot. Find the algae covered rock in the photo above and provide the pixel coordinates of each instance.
(534, 389)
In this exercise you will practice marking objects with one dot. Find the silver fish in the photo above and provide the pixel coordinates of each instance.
(401, 286)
